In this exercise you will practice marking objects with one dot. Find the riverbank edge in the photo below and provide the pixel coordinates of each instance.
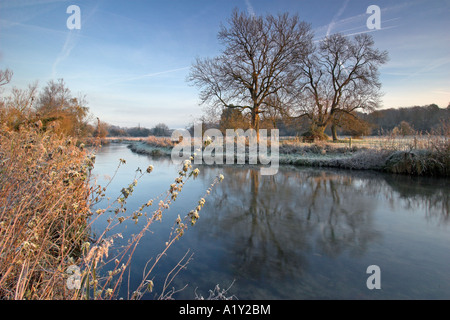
(414, 162)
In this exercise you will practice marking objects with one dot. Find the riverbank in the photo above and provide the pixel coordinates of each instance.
(49, 202)
(44, 212)
(425, 157)
(341, 221)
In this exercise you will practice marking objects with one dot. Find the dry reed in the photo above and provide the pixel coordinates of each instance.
(47, 201)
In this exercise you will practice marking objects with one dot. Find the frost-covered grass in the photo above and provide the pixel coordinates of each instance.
(416, 155)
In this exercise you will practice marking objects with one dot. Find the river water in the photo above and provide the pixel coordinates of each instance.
(304, 233)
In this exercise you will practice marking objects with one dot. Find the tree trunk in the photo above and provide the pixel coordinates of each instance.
(320, 132)
(255, 122)
(333, 132)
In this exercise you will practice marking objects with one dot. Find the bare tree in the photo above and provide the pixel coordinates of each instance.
(55, 97)
(161, 130)
(22, 100)
(18, 106)
(338, 77)
(56, 103)
(257, 62)
(5, 76)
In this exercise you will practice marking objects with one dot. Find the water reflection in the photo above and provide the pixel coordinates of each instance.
(428, 194)
(276, 221)
(309, 233)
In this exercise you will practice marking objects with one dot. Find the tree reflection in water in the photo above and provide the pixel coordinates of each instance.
(273, 225)
(276, 220)
(302, 233)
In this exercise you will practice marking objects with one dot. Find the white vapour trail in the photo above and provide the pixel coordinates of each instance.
(336, 17)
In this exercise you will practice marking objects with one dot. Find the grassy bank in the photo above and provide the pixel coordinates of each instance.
(415, 155)
(48, 203)
(43, 212)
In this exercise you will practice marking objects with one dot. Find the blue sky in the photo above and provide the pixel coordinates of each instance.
(131, 58)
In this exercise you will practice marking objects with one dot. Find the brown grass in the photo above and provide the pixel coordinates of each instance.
(160, 142)
(43, 211)
(46, 210)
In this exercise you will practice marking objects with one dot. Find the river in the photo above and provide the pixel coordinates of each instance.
(304, 233)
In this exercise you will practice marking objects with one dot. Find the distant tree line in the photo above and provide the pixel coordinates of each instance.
(160, 130)
(401, 121)
(421, 119)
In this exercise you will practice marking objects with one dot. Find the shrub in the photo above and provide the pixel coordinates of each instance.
(420, 162)
(314, 135)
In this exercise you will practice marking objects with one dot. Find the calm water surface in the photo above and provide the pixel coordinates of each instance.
(301, 234)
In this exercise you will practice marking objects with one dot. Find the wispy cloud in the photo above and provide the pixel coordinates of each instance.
(26, 3)
(438, 63)
(148, 75)
(442, 92)
(6, 24)
(250, 9)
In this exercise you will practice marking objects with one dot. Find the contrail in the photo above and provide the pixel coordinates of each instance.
(336, 16)
(149, 75)
(70, 42)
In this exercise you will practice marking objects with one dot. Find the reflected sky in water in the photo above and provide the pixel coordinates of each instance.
(301, 234)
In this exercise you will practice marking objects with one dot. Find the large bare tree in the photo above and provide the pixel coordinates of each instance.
(339, 77)
(258, 62)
